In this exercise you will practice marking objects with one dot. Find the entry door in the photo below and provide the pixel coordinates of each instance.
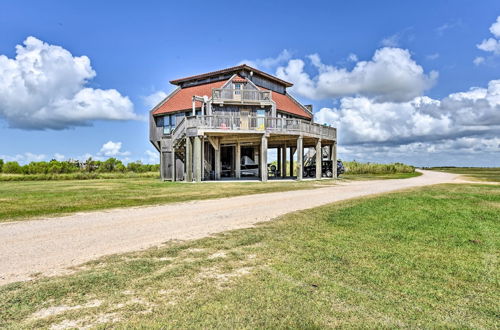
(244, 119)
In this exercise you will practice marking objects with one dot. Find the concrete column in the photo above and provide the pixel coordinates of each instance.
(319, 157)
(197, 159)
(333, 156)
(263, 158)
(238, 160)
(218, 165)
(174, 174)
(300, 157)
(283, 161)
(291, 161)
(189, 160)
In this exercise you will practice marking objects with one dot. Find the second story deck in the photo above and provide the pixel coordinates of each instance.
(201, 125)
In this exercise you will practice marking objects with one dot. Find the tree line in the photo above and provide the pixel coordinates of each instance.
(74, 166)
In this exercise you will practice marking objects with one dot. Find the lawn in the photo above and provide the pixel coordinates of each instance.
(422, 258)
(491, 174)
(26, 199)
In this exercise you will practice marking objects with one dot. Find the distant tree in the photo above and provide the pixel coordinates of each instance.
(12, 167)
(1, 165)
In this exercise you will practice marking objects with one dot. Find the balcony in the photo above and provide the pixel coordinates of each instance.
(239, 96)
(199, 125)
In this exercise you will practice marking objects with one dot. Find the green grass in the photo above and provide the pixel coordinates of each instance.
(424, 258)
(491, 174)
(26, 199)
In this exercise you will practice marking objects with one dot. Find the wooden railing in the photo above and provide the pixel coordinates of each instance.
(253, 123)
(240, 95)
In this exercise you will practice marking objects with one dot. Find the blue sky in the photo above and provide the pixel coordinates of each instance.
(136, 47)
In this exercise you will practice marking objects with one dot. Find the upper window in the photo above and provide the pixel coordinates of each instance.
(237, 88)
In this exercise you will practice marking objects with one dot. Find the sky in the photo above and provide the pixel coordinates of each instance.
(409, 81)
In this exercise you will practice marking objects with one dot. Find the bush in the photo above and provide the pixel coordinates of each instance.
(1, 165)
(355, 167)
(12, 168)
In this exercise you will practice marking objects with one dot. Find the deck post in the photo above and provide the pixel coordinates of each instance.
(174, 178)
(278, 159)
(197, 159)
(218, 165)
(333, 156)
(300, 157)
(283, 161)
(238, 160)
(203, 158)
(263, 158)
(291, 161)
(319, 157)
(189, 160)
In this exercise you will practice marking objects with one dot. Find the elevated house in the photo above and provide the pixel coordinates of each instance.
(222, 124)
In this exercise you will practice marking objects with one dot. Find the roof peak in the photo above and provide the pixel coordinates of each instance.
(235, 69)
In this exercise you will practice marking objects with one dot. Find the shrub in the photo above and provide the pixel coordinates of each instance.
(355, 167)
(1, 165)
(12, 168)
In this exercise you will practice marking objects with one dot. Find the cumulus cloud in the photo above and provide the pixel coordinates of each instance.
(58, 156)
(391, 75)
(112, 149)
(44, 87)
(153, 99)
(24, 158)
(492, 44)
(269, 62)
(473, 115)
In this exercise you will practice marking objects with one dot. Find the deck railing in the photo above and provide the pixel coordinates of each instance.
(240, 95)
(255, 123)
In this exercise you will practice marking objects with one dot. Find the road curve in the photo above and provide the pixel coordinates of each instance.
(49, 246)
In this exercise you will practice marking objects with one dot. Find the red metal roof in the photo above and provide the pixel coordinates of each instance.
(286, 104)
(239, 79)
(182, 100)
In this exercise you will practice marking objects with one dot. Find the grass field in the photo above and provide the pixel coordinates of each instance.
(478, 173)
(25, 199)
(424, 258)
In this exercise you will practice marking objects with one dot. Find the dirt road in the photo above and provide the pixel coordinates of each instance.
(49, 246)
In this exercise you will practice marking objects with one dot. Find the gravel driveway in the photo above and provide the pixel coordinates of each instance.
(49, 246)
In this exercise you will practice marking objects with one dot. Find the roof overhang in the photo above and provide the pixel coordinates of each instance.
(235, 69)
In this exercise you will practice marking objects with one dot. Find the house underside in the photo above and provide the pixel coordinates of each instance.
(231, 133)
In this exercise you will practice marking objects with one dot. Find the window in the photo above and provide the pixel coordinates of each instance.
(237, 88)
(169, 123)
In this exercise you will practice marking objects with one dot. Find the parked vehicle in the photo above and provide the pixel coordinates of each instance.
(326, 171)
(249, 167)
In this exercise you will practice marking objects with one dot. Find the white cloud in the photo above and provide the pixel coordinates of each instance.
(478, 60)
(391, 75)
(391, 41)
(352, 57)
(362, 121)
(152, 157)
(153, 99)
(113, 149)
(269, 62)
(492, 44)
(24, 158)
(44, 87)
(432, 57)
(495, 28)
(59, 157)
